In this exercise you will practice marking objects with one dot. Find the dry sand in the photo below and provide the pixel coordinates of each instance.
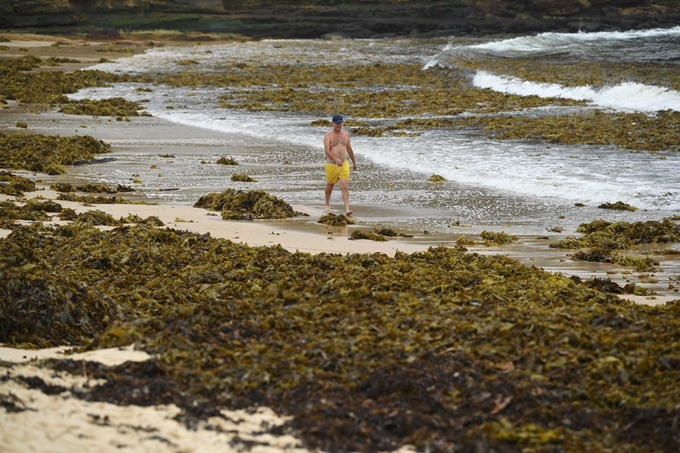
(60, 422)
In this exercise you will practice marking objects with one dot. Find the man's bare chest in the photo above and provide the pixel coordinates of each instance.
(338, 140)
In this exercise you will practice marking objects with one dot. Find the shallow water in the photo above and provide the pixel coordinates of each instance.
(520, 187)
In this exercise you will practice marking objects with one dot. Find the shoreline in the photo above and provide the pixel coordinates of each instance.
(297, 234)
(44, 419)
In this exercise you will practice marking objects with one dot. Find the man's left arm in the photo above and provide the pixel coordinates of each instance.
(350, 152)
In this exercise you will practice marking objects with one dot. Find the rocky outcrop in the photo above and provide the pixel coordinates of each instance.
(353, 18)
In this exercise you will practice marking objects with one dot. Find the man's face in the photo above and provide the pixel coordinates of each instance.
(337, 127)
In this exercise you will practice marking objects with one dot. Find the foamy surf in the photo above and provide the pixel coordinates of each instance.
(624, 96)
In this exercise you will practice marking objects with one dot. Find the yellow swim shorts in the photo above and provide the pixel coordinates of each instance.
(335, 172)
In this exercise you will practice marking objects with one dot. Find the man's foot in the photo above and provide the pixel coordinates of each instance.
(349, 213)
(328, 210)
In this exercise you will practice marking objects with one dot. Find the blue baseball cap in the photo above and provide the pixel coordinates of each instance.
(337, 119)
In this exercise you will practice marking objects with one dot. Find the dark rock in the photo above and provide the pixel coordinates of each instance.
(350, 18)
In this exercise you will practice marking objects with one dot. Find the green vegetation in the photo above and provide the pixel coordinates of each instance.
(239, 205)
(601, 238)
(47, 154)
(242, 177)
(118, 107)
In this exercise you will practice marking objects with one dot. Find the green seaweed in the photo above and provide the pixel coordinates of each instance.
(370, 235)
(618, 206)
(441, 349)
(242, 177)
(492, 238)
(239, 205)
(338, 220)
(47, 154)
(118, 107)
(15, 185)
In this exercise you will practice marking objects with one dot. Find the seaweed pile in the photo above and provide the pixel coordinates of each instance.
(226, 161)
(380, 234)
(254, 204)
(97, 199)
(337, 220)
(11, 184)
(19, 81)
(444, 350)
(118, 107)
(601, 238)
(492, 238)
(47, 154)
(618, 206)
(33, 210)
(242, 177)
(92, 188)
(631, 131)
(36, 210)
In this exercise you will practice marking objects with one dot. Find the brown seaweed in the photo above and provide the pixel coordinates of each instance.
(370, 235)
(226, 161)
(242, 177)
(118, 107)
(492, 238)
(239, 205)
(15, 185)
(442, 350)
(618, 206)
(601, 238)
(337, 220)
(47, 154)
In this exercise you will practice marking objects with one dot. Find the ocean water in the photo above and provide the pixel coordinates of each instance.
(515, 186)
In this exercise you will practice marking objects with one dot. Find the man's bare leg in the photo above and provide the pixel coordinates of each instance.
(329, 191)
(344, 186)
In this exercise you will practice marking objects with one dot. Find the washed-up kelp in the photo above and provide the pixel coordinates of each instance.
(36, 305)
(632, 131)
(118, 106)
(15, 185)
(443, 350)
(370, 235)
(227, 161)
(46, 153)
(151, 220)
(47, 87)
(623, 235)
(402, 90)
(32, 210)
(242, 177)
(91, 199)
(601, 238)
(492, 238)
(92, 188)
(97, 217)
(239, 205)
(331, 219)
(618, 206)
(380, 234)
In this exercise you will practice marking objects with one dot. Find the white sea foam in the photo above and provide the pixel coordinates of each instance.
(574, 42)
(624, 96)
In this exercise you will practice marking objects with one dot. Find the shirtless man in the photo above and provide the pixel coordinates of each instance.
(337, 147)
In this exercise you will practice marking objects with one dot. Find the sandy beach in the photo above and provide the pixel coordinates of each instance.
(58, 423)
(34, 420)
